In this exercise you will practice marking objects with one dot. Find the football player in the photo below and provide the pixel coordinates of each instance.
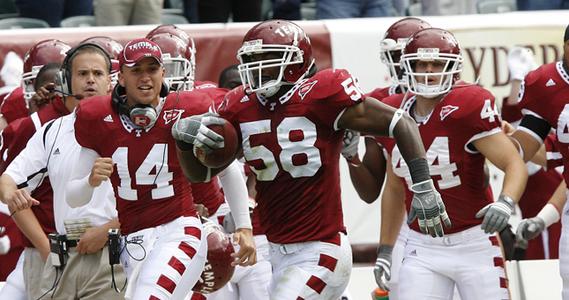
(368, 174)
(16, 104)
(543, 100)
(290, 122)
(460, 128)
(131, 131)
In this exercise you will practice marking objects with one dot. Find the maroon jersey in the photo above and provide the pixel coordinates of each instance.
(544, 94)
(8, 261)
(292, 146)
(208, 194)
(14, 106)
(464, 115)
(14, 140)
(385, 92)
(148, 181)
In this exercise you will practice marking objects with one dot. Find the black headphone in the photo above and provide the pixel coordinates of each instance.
(63, 77)
(140, 114)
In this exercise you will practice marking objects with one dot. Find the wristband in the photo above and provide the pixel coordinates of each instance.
(549, 214)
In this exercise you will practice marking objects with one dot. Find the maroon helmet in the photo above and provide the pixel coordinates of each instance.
(179, 61)
(171, 29)
(218, 269)
(44, 52)
(432, 44)
(394, 41)
(285, 45)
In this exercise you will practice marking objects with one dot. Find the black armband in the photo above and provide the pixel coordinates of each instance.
(419, 170)
(537, 125)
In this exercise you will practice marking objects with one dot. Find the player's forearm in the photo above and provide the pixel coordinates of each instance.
(236, 195)
(515, 179)
(392, 215)
(559, 197)
(31, 228)
(515, 86)
(365, 183)
(7, 187)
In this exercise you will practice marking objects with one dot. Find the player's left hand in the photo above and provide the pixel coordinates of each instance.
(382, 269)
(496, 215)
(194, 130)
(429, 209)
(247, 255)
(92, 240)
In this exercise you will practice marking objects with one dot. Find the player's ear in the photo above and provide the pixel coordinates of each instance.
(121, 79)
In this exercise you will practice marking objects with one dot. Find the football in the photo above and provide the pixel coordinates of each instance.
(220, 157)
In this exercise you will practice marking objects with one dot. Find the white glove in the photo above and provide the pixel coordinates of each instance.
(382, 269)
(428, 207)
(496, 215)
(350, 144)
(194, 130)
(520, 62)
(530, 228)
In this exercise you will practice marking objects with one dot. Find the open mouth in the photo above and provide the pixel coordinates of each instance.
(145, 88)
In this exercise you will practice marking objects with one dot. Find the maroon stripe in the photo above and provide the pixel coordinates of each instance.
(327, 262)
(494, 240)
(193, 231)
(299, 298)
(336, 240)
(189, 250)
(316, 284)
(198, 296)
(166, 283)
(177, 265)
(152, 297)
(503, 282)
(498, 262)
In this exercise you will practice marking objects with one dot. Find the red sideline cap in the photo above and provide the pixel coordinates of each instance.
(138, 49)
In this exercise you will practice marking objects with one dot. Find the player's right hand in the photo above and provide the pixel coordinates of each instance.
(101, 171)
(194, 130)
(530, 228)
(428, 207)
(20, 200)
(350, 144)
(382, 268)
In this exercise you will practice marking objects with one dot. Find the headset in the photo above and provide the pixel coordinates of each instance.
(142, 115)
(63, 77)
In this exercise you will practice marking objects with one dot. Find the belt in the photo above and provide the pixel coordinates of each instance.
(71, 243)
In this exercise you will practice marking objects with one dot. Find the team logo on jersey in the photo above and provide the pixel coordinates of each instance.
(447, 110)
(306, 88)
(172, 115)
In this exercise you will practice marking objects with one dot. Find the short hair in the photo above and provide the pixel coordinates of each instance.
(44, 69)
(224, 75)
(88, 48)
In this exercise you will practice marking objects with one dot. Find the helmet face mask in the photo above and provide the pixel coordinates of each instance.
(439, 49)
(179, 73)
(274, 53)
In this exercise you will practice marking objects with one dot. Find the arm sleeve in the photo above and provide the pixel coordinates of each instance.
(236, 194)
(78, 191)
(29, 167)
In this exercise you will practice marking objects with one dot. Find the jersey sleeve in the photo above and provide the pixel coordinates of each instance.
(534, 121)
(480, 113)
(335, 91)
(85, 135)
(14, 106)
(28, 167)
(552, 154)
(14, 140)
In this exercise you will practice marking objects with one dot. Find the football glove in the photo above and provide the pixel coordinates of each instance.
(382, 269)
(350, 144)
(496, 214)
(429, 209)
(194, 130)
(520, 62)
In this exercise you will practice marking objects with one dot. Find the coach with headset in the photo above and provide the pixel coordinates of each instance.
(77, 265)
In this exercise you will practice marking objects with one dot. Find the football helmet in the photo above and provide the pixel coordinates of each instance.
(432, 44)
(113, 49)
(179, 61)
(394, 41)
(218, 269)
(173, 30)
(292, 52)
(44, 52)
